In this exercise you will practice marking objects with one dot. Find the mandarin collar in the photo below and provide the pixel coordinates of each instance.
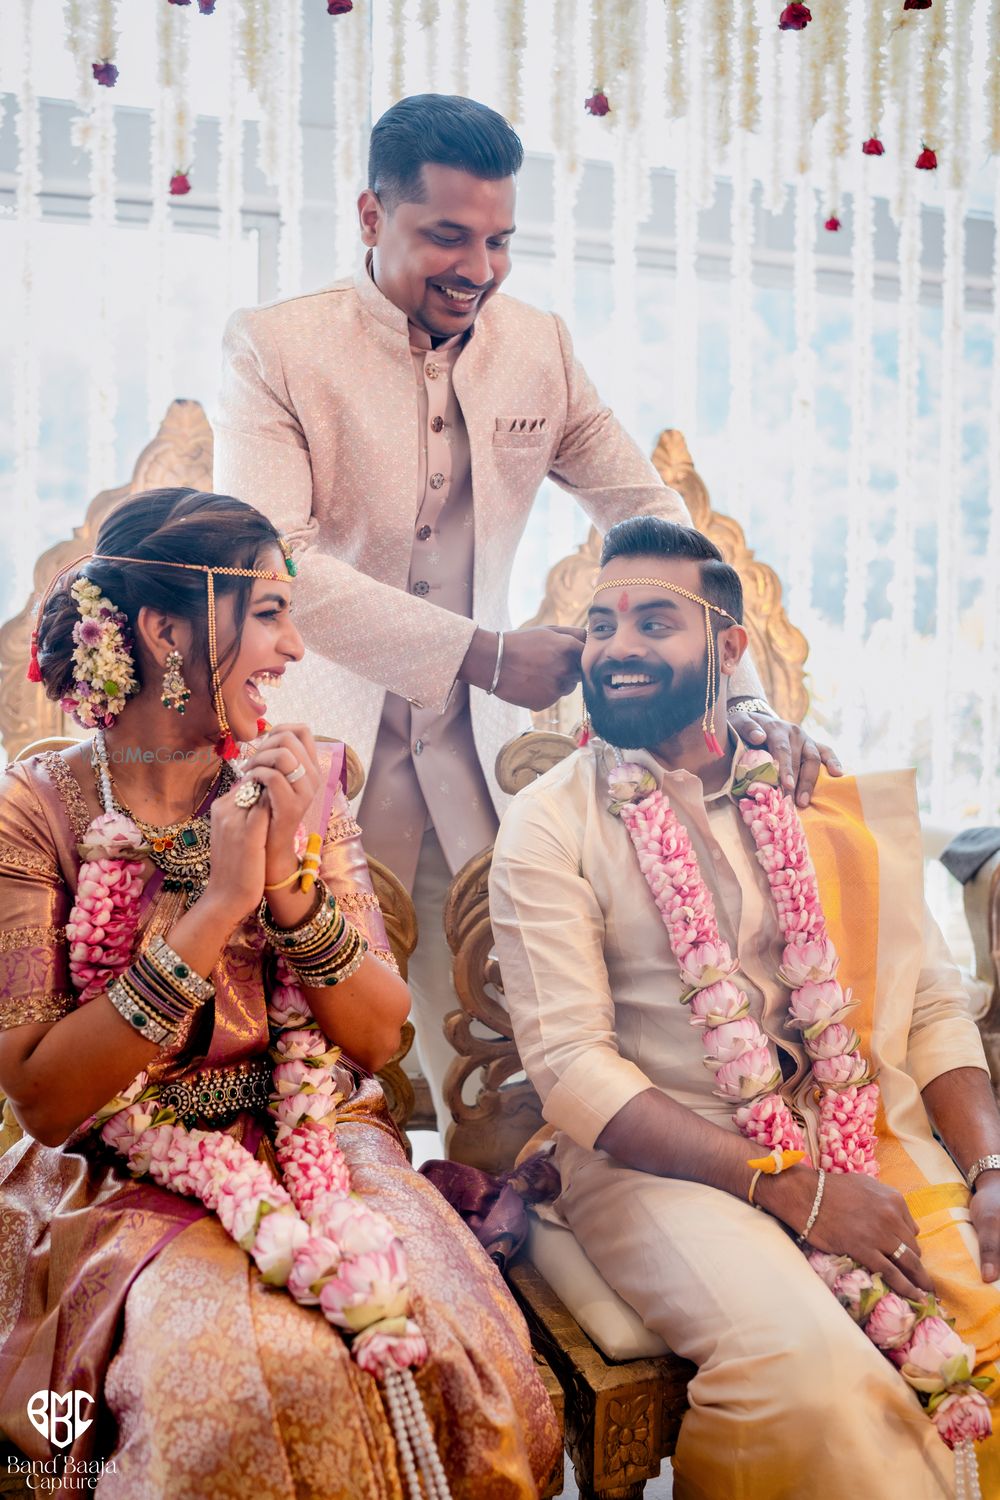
(666, 778)
(377, 304)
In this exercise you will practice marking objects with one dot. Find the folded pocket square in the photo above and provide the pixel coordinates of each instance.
(520, 424)
(521, 432)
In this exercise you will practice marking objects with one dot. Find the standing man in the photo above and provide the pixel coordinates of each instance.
(397, 426)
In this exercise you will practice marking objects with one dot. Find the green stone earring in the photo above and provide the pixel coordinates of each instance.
(176, 692)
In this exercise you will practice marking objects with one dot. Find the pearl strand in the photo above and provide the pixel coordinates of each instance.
(967, 1472)
(101, 757)
(427, 1452)
(399, 1417)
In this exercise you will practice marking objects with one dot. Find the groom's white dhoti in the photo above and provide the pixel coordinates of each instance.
(790, 1401)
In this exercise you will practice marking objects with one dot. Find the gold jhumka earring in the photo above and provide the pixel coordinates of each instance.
(175, 692)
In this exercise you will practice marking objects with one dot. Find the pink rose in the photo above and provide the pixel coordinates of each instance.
(367, 1289)
(725, 1043)
(315, 1262)
(830, 1267)
(396, 1344)
(936, 1357)
(963, 1417)
(747, 1076)
(833, 1041)
(891, 1322)
(850, 1288)
(279, 1236)
(841, 1072)
(718, 1003)
(810, 962)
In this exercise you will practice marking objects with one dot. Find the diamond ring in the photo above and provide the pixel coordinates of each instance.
(293, 776)
(899, 1251)
(248, 793)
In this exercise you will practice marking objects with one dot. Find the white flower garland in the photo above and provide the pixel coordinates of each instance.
(288, 107)
(872, 25)
(934, 35)
(599, 56)
(566, 116)
(514, 43)
(269, 144)
(27, 126)
(675, 74)
(352, 108)
(230, 148)
(460, 48)
(101, 381)
(803, 403)
(990, 804)
(719, 52)
(991, 100)
(81, 28)
(748, 84)
(397, 49)
(779, 63)
(428, 19)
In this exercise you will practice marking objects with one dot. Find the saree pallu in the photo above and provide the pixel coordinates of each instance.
(208, 1381)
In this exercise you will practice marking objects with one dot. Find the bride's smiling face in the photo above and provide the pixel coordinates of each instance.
(269, 642)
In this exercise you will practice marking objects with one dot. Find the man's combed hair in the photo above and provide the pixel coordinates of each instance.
(650, 536)
(444, 129)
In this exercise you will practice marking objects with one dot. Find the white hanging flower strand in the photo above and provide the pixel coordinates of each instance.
(397, 50)
(515, 42)
(460, 47)
(428, 19)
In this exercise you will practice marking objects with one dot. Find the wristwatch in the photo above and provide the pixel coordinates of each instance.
(984, 1164)
(749, 706)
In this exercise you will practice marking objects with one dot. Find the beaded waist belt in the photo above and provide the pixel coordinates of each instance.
(218, 1095)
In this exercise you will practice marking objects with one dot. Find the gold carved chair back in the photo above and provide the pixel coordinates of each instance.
(494, 1107)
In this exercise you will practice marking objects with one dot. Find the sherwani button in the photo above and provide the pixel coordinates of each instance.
(432, 371)
(437, 480)
(418, 746)
(423, 533)
(437, 424)
(421, 587)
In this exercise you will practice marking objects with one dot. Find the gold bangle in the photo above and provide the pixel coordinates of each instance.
(280, 884)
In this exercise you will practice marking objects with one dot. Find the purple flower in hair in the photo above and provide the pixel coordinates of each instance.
(88, 632)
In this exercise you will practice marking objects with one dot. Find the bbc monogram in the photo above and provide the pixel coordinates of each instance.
(58, 1418)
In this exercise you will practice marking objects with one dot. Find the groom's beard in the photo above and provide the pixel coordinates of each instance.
(644, 723)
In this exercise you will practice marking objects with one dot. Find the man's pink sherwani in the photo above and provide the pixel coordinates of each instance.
(318, 427)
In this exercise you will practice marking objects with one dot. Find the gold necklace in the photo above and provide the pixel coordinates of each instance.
(180, 850)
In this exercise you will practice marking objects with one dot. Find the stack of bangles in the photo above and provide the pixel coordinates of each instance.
(323, 950)
(159, 993)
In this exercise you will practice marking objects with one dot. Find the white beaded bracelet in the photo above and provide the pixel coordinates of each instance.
(499, 666)
(814, 1211)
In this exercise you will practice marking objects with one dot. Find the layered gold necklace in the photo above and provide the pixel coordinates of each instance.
(180, 850)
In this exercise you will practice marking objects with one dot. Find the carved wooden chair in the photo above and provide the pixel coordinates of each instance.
(625, 1392)
(180, 454)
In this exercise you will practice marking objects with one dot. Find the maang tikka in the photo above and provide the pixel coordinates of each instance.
(175, 692)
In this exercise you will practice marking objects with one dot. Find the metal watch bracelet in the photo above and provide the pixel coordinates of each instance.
(984, 1164)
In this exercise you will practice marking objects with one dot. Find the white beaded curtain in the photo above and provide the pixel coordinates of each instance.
(774, 239)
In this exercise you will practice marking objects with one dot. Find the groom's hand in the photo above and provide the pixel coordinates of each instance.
(540, 663)
(984, 1210)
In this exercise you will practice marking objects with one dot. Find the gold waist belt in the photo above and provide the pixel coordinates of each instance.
(218, 1095)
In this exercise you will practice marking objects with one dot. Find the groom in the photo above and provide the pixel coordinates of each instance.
(608, 916)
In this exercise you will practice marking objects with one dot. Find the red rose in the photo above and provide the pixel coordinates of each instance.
(597, 104)
(207, 7)
(873, 147)
(917, 4)
(179, 185)
(339, 7)
(927, 160)
(105, 73)
(794, 18)
(832, 223)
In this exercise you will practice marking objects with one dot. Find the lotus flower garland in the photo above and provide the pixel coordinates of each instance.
(931, 1356)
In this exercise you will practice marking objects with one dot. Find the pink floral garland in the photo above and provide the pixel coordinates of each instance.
(309, 1233)
(915, 1336)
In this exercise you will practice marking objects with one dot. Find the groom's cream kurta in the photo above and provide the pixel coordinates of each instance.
(790, 1399)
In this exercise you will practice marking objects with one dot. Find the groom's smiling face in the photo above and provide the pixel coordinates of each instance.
(645, 661)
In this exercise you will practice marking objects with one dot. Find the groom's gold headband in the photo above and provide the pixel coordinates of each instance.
(712, 678)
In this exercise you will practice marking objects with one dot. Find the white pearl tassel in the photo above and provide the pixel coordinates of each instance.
(967, 1472)
(414, 1439)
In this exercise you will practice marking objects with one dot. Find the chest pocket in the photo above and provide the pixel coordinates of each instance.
(521, 432)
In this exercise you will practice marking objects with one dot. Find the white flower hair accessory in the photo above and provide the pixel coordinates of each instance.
(103, 662)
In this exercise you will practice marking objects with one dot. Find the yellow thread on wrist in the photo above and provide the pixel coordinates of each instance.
(776, 1161)
(310, 862)
(280, 884)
